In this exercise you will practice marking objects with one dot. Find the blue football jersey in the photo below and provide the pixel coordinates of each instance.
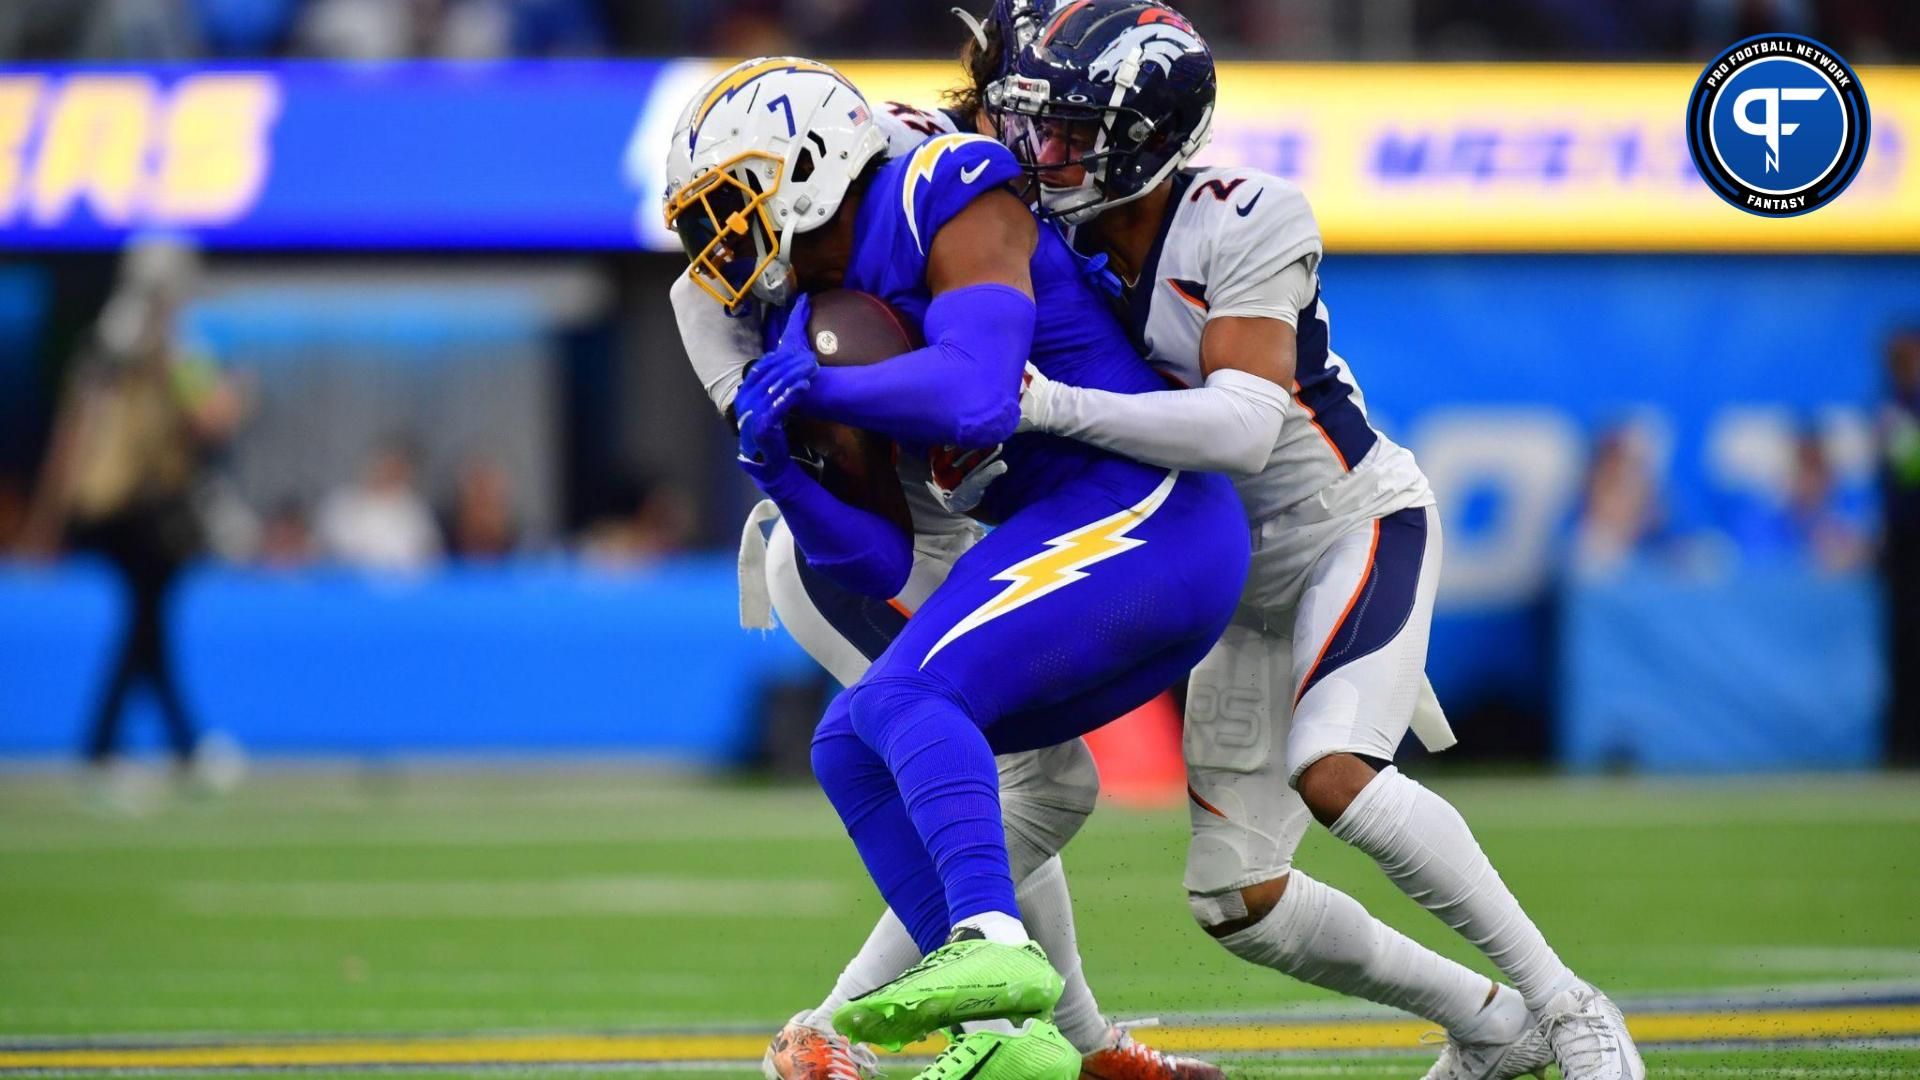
(1076, 337)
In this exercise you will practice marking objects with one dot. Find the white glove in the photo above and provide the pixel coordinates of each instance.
(1036, 401)
(961, 477)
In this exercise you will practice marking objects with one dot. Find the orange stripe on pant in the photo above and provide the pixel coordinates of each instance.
(1366, 575)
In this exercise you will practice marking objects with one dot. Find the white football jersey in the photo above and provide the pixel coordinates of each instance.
(907, 127)
(1228, 232)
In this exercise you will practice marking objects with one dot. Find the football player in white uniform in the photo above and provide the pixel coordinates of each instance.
(1298, 711)
(1045, 795)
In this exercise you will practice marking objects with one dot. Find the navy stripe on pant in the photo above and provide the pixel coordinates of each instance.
(1384, 601)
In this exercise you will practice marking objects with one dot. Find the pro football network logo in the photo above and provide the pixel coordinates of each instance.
(1778, 125)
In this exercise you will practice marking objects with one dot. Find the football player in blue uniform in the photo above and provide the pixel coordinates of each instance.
(1102, 582)
(1045, 794)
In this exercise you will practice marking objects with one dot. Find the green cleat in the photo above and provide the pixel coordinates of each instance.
(1036, 1052)
(969, 978)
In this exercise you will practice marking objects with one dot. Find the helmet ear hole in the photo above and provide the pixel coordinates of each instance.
(809, 156)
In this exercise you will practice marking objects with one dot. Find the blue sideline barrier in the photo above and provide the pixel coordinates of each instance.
(1753, 672)
(57, 628)
(544, 658)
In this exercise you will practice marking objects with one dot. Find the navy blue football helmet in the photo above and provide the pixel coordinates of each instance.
(1105, 102)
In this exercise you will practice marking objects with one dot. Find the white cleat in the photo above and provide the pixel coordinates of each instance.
(1528, 1054)
(1589, 1036)
(799, 1052)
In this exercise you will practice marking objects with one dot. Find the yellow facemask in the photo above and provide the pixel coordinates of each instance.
(724, 227)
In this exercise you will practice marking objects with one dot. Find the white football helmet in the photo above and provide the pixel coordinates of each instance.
(679, 168)
(764, 151)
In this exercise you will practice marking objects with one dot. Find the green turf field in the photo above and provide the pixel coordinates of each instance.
(603, 909)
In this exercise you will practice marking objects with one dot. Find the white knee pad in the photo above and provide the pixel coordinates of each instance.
(1246, 821)
(1045, 796)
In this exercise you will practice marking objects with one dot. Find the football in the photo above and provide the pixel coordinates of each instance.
(850, 328)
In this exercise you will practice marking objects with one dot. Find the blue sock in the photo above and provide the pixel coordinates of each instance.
(864, 794)
(945, 774)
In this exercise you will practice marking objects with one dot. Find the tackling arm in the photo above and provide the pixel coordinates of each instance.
(963, 388)
(719, 345)
(1229, 425)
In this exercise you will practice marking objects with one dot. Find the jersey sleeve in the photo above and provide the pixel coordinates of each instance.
(1283, 296)
(945, 174)
(1256, 237)
(720, 344)
(907, 127)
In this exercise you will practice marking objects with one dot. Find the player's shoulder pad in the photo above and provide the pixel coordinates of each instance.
(1252, 224)
(907, 127)
(947, 172)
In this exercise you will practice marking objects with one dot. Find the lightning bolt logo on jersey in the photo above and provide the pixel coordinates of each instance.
(1063, 563)
(920, 165)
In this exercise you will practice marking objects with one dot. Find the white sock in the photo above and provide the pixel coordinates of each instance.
(1004, 1027)
(1499, 1021)
(1048, 911)
(998, 927)
(1424, 845)
(1320, 935)
(887, 952)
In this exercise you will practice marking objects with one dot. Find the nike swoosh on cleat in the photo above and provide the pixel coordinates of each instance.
(968, 176)
(1247, 208)
(982, 1063)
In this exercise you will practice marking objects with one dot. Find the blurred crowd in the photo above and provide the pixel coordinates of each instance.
(136, 466)
(1864, 30)
(1807, 519)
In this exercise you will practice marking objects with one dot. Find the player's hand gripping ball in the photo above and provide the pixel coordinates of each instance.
(765, 397)
(770, 389)
(835, 328)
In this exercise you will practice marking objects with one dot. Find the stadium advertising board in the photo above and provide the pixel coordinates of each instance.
(419, 155)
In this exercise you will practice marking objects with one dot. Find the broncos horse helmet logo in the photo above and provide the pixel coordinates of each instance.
(1161, 43)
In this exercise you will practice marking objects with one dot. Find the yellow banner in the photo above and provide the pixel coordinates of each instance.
(1514, 157)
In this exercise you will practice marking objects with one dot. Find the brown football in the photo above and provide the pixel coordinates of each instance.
(850, 328)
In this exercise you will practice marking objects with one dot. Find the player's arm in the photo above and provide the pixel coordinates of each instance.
(858, 550)
(719, 345)
(963, 388)
(1230, 423)
(1261, 275)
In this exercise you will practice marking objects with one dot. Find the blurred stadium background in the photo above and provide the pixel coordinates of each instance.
(473, 743)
